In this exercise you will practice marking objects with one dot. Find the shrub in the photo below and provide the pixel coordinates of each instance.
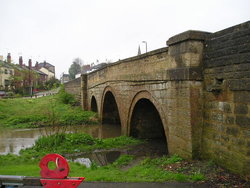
(66, 98)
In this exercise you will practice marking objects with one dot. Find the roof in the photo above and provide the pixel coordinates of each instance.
(39, 72)
(45, 64)
(7, 65)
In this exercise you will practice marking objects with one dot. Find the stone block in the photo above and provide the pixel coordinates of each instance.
(224, 107)
(242, 96)
(217, 117)
(232, 131)
(246, 133)
(240, 84)
(188, 35)
(241, 109)
(211, 105)
(243, 121)
(229, 120)
(179, 74)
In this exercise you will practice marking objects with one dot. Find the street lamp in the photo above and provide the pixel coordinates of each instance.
(146, 45)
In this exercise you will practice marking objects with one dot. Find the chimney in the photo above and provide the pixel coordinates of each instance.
(9, 58)
(36, 66)
(30, 64)
(21, 61)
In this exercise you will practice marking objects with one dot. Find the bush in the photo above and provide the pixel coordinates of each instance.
(62, 140)
(66, 98)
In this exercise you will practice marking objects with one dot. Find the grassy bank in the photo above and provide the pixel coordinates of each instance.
(146, 170)
(75, 143)
(127, 168)
(44, 111)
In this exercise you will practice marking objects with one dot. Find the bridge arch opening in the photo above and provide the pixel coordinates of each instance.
(94, 104)
(110, 114)
(146, 123)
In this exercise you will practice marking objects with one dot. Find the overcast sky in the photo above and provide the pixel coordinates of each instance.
(60, 30)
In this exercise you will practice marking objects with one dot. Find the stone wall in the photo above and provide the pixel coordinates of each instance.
(226, 130)
(199, 85)
(170, 78)
(74, 87)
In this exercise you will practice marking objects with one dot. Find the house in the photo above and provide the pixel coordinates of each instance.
(64, 78)
(28, 78)
(46, 68)
(6, 74)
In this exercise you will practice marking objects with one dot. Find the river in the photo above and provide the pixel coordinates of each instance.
(13, 140)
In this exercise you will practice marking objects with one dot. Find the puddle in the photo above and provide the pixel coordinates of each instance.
(152, 148)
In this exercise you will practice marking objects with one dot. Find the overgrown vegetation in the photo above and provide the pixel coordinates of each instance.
(74, 143)
(45, 111)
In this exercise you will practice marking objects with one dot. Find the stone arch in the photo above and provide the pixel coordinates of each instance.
(146, 118)
(93, 104)
(110, 113)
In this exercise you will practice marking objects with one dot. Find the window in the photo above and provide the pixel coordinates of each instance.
(11, 72)
(6, 71)
(6, 82)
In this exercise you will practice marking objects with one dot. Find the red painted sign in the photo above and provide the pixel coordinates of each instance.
(57, 178)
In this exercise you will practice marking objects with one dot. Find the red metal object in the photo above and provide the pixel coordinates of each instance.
(57, 178)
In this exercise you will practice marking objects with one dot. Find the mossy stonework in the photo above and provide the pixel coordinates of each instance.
(226, 127)
(197, 90)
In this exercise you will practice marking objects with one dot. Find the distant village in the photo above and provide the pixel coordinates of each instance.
(28, 79)
(64, 78)
(24, 79)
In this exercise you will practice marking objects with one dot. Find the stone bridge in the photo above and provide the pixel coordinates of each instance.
(194, 94)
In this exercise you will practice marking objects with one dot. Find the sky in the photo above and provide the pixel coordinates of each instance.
(59, 31)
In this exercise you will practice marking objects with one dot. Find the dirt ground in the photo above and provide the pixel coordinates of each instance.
(215, 175)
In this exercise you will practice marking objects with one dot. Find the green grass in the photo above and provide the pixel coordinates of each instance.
(44, 111)
(74, 143)
(149, 170)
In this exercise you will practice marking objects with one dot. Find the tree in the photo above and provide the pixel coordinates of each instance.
(52, 83)
(75, 68)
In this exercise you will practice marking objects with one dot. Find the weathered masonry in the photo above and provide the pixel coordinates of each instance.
(195, 94)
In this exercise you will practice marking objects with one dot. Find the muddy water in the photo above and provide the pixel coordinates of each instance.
(151, 148)
(13, 140)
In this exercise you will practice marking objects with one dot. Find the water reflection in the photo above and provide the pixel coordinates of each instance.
(13, 140)
(151, 148)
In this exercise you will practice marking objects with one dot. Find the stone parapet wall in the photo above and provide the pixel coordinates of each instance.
(226, 129)
(74, 87)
